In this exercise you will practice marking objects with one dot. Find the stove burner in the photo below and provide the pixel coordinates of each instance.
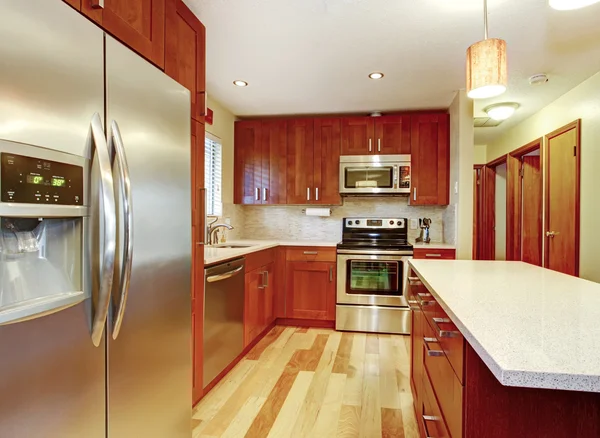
(381, 234)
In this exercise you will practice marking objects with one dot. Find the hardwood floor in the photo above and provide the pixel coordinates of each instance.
(299, 382)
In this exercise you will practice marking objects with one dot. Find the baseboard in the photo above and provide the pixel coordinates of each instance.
(235, 361)
(316, 323)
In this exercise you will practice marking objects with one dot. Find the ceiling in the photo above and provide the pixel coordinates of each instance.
(313, 56)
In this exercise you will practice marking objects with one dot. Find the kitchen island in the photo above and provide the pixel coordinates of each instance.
(504, 349)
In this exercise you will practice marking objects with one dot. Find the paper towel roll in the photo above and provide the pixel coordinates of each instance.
(323, 212)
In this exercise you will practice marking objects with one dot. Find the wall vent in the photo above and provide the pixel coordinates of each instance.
(486, 122)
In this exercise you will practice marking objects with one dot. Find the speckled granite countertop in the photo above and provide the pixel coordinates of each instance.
(532, 327)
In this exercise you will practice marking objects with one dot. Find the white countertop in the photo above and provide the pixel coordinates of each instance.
(532, 327)
(433, 245)
(214, 254)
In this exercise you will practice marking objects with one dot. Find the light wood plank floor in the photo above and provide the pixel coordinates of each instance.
(299, 382)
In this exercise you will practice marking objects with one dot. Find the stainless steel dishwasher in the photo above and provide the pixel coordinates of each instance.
(223, 316)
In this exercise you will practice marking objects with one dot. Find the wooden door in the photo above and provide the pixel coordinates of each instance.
(430, 159)
(247, 175)
(269, 295)
(478, 212)
(273, 162)
(253, 305)
(489, 214)
(357, 136)
(562, 200)
(300, 161)
(310, 290)
(185, 53)
(531, 176)
(327, 161)
(392, 135)
(139, 24)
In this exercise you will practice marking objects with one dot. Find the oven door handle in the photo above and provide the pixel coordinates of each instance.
(359, 252)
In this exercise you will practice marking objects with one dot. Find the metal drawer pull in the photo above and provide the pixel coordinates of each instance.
(445, 333)
(424, 303)
(413, 304)
(311, 252)
(433, 255)
(427, 418)
(415, 279)
(432, 353)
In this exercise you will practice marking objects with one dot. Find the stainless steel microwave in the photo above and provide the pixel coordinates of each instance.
(374, 175)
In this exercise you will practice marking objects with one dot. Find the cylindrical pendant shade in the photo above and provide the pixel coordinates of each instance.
(487, 74)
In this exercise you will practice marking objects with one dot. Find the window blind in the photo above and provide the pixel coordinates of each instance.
(212, 175)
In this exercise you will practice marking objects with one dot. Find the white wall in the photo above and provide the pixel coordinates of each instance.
(461, 174)
(500, 209)
(480, 154)
(582, 102)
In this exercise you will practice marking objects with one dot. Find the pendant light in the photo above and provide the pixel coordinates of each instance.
(568, 5)
(486, 65)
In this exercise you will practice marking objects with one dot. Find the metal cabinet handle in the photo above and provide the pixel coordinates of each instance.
(415, 279)
(378, 145)
(430, 418)
(415, 194)
(424, 303)
(444, 333)
(413, 304)
(370, 145)
(225, 276)
(432, 255)
(308, 193)
(432, 353)
(107, 198)
(552, 233)
(316, 194)
(311, 252)
(116, 141)
(264, 193)
(97, 4)
(257, 194)
(331, 274)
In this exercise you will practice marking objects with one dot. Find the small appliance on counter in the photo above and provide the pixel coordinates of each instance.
(424, 225)
(372, 262)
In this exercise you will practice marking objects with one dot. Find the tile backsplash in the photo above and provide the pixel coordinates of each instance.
(289, 223)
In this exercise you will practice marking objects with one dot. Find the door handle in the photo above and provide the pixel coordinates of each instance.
(266, 278)
(107, 198)
(316, 194)
(311, 252)
(224, 276)
(415, 195)
(378, 145)
(116, 141)
(264, 193)
(97, 4)
(432, 353)
(370, 145)
(308, 193)
(552, 233)
(331, 274)
(257, 194)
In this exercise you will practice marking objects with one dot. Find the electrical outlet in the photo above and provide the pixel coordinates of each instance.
(413, 224)
(456, 187)
(228, 220)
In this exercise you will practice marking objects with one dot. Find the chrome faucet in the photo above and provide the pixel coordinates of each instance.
(212, 229)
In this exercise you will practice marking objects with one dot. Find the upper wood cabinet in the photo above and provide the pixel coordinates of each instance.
(430, 159)
(140, 24)
(327, 148)
(385, 135)
(300, 161)
(185, 53)
(247, 175)
(273, 161)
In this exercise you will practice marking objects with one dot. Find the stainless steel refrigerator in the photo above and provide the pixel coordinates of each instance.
(95, 233)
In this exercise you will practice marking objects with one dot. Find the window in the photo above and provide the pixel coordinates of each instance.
(212, 175)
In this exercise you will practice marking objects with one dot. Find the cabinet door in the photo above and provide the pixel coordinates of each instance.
(185, 53)
(392, 135)
(310, 290)
(357, 136)
(300, 161)
(430, 159)
(253, 305)
(247, 175)
(416, 370)
(269, 295)
(139, 24)
(327, 161)
(274, 162)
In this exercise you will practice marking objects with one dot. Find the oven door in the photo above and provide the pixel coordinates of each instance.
(372, 279)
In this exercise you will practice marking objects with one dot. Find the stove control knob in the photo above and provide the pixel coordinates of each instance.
(357, 222)
(391, 222)
(349, 222)
(399, 223)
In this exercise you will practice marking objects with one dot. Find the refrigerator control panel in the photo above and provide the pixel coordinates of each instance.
(32, 180)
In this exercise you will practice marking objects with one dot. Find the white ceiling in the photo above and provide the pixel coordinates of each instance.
(313, 56)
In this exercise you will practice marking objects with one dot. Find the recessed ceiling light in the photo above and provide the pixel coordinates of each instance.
(376, 75)
(240, 83)
(501, 111)
(567, 5)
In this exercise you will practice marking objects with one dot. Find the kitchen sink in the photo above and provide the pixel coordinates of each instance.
(233, 246)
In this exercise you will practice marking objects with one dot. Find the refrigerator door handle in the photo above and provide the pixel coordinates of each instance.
(116, 142)
(107, 199)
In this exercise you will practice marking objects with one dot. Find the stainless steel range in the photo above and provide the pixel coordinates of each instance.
(372, 262)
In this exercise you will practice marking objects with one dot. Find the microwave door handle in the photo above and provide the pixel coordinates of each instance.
(396, 177)
(107, 200)
(116, 141)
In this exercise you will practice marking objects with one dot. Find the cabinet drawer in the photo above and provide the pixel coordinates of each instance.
(311, 254)
(426, 253)
(446, 386)
(451, 340)
(431, 419)
(256, 260)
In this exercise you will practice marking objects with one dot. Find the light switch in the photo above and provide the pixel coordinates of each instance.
(413, 224)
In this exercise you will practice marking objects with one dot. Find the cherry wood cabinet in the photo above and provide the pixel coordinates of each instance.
(273, 162)
(383, 135)
(440, 253)
(259, 301)
(139, 24)
(326, 159)
(430, 159)
(185, 53)
(300, 161)
(310, 292)
(247, 175)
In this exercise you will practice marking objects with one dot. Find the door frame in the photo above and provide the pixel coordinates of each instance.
(478, 210)
(577, 126)
(514, 207)
(489, 208)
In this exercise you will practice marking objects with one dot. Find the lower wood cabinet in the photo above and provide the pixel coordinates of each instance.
(440, 253)
(259, 301)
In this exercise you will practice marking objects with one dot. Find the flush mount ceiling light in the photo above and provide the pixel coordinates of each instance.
(567, 5)
(240, 83)
(501, 111)
(376, 75)
(487, 73)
